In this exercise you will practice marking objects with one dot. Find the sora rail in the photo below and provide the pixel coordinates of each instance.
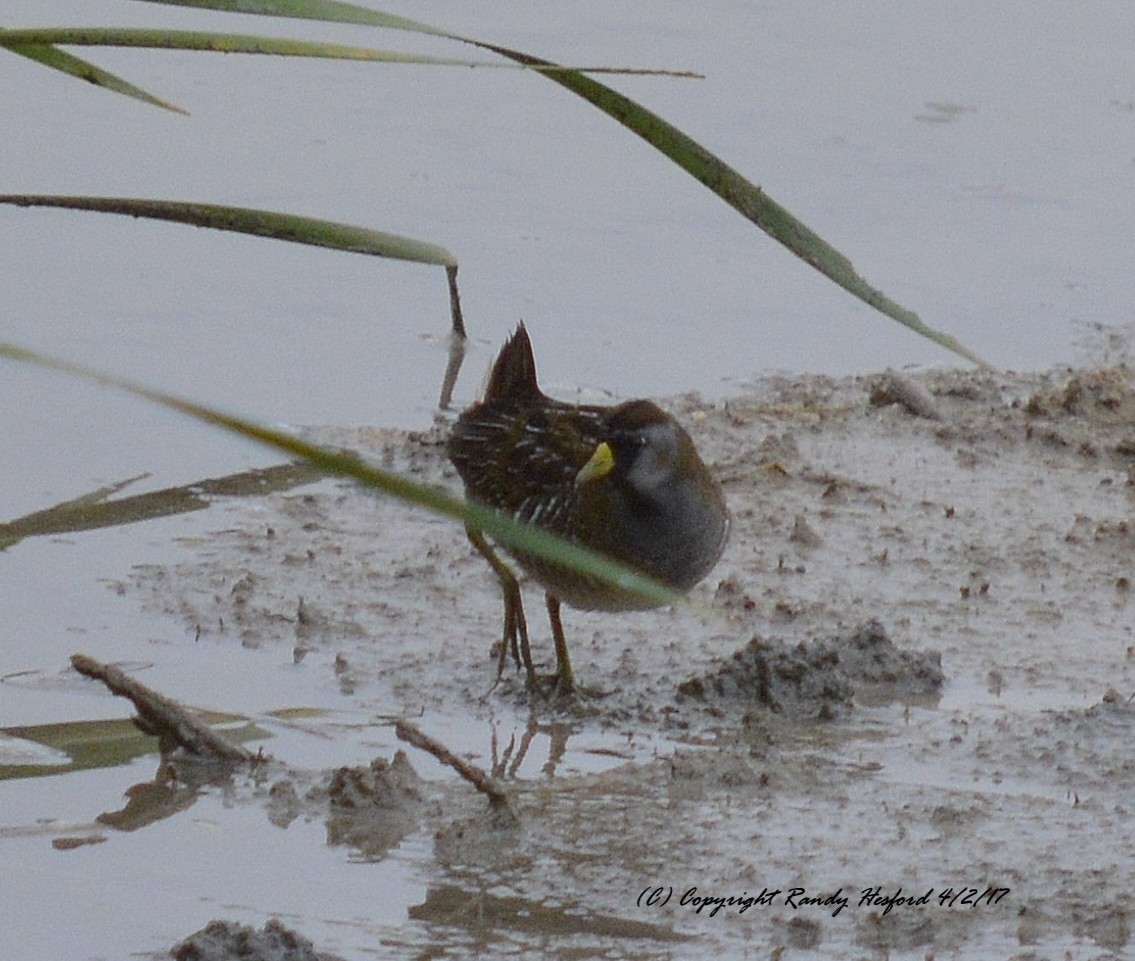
(625, 481)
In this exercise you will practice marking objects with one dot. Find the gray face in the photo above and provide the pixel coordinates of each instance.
(667, 517)
(655, 460)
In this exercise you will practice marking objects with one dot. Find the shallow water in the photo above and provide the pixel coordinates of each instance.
(973, 163)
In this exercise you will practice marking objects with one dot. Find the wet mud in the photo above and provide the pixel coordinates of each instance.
(893, 722)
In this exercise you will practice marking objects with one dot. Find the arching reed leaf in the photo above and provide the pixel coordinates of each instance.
(504, 529)
(261, 223)
(278, 226)
(742, 195)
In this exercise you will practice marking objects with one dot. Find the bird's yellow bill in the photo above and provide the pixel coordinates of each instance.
(601, 464)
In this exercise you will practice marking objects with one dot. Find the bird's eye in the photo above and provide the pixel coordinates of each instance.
(629, 443)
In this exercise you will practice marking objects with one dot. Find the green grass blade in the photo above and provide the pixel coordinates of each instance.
(49, 56)
(503, 529)
(742, 195)
(269, 46)
(260, 223)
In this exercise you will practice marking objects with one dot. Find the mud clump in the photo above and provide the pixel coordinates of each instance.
(227, 940)
(370, 808)
(875, 665)
(373, 808)
(1100, 396)
(819, 680)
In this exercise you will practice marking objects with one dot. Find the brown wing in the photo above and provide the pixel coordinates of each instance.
(523, 459)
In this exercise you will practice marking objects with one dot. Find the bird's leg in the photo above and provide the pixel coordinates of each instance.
(515, 631)
(515, 638)
(564, 680)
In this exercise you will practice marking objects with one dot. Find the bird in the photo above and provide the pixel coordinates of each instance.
(623, 480)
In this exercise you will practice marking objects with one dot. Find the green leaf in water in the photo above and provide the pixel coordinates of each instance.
(100, 744)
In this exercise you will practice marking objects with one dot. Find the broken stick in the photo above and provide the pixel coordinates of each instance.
(480, 779)
(173, 724)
